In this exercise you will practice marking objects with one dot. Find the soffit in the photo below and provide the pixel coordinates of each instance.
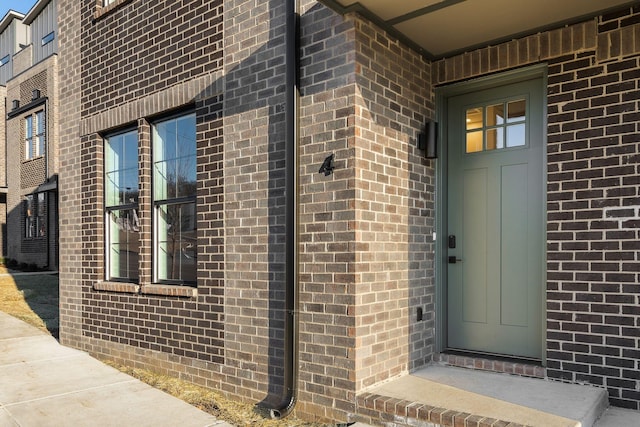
(441, 28)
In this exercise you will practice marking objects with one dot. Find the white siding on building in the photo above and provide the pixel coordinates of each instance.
(14, 36)
(45, 24)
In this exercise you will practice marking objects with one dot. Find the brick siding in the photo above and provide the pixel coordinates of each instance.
(3, 174)
(394, 209)
(137, 47)
(593, 222)
(71, 233)
(366, 255)
(171, 320)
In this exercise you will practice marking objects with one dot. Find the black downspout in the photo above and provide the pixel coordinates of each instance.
(288, 401)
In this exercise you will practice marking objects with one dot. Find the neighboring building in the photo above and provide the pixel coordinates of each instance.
(178, 241)
(29, 76)
(13, 34)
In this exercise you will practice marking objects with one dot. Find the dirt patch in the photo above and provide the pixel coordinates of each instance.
(233, 412)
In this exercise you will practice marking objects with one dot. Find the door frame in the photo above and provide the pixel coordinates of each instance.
(443, 94)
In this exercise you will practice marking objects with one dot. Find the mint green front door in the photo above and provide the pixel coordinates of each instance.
(495, 220)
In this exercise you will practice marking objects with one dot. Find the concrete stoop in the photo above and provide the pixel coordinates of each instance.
(458, 397)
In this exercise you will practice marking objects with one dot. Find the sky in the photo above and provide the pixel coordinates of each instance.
(21, 6)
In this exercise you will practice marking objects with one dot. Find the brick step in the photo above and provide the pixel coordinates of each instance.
(452, 397)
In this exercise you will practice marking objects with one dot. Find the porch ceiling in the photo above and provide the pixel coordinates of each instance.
(440, 28)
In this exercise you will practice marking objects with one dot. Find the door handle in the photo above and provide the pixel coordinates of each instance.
(454, 260)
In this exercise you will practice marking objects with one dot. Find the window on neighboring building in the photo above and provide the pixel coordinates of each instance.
(121, 205)
(28, 137)
(40, 137)
(174, 200)
(108, 2)
(35, 136)
(48, 38)
(41, 209)
(35, 224)
(4, 60)
(29, 218)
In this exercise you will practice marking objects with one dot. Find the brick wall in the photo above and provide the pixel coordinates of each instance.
(71, 236)
(394, 208)
(254, 198)
(327, 235)
(366, 259)
(366, 256)
(3, 172)
(364, 268)
(3, 133)
(177, 321)
(177, 325)
(336, 336)
(137, 47)
(593, 214)
(592, 193)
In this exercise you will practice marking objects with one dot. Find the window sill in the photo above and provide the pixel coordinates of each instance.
(34, 158)
(130, 288)
(170, 290)
(104, 10)
(155, 289)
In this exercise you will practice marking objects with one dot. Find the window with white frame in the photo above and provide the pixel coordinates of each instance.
(40, 136)
(35, 135)
(121, 206)
(174, 200)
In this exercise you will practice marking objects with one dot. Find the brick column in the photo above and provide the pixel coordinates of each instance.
(71, 233)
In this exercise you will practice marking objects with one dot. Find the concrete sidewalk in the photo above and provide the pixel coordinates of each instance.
(45, 384)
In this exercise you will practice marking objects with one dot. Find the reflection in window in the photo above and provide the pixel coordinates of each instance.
(29, 217)
(48, 38)
(40, 137)
(494, 139)
(176, 244)
(28, 137)
(121, 202)
(495, 115)
(35, 224)
(41, 215)
(474, 142)
(516, 135)
(489, 128)
(516, 111)
(474, 118)
(174, 197)
(35, 136)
